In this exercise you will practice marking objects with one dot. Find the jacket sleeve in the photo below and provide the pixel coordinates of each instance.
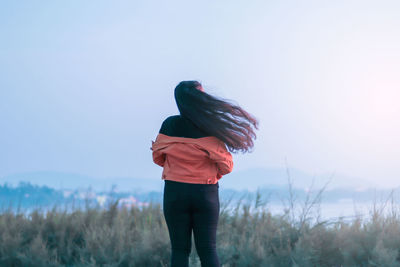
(158, 155)
(223, 159)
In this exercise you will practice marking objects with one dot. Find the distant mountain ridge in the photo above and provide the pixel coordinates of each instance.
(254, 178)
(249, 179)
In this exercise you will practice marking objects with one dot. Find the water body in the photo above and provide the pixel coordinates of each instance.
(345, 210)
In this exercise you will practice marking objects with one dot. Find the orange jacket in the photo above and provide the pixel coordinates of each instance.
(191, 160)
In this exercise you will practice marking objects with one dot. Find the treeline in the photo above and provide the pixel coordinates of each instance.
(26, 195)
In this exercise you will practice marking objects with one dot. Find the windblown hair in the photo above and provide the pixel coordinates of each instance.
(216, 116)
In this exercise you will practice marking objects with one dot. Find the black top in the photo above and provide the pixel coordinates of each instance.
(179, 126)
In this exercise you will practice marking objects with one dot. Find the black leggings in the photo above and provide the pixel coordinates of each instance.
(192, 206)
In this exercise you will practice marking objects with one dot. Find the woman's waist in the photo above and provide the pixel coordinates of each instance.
(179, 179)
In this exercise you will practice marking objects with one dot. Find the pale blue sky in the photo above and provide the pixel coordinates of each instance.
(85, 85)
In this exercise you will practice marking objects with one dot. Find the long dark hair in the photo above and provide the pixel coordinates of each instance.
(216, 116)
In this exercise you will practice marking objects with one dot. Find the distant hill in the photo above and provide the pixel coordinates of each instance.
(70, 180)
(249, 179)
(254, 178)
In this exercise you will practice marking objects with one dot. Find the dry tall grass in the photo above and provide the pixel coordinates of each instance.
(248, 235)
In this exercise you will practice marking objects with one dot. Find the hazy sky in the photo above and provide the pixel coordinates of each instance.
(85, 85)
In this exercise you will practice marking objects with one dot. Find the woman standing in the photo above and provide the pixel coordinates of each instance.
(192, 149)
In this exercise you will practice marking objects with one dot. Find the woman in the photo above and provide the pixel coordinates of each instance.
(192, 149)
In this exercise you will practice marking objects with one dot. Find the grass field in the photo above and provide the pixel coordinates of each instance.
(248, 235)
